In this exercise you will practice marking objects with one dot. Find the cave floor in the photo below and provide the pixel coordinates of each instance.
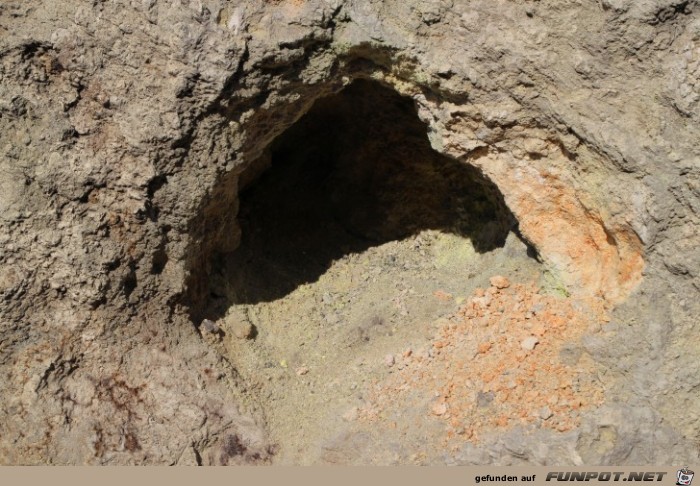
(406, 351)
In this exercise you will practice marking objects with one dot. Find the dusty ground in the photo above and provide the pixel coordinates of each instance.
(378, 363)
(321, 350)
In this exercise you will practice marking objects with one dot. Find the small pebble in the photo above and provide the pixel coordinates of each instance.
(389, 360)
(484, 348)
(529, 343)
(484, 399)
(210, 326)
(499, 282)
(440, 409)
(302, 370)
(243, 329)
(545, 413)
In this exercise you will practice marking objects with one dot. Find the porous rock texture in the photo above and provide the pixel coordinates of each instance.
(127, 127)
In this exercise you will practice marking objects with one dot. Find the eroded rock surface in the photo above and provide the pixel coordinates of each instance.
(128, 128)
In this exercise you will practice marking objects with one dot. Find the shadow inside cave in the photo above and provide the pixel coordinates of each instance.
(355, 172)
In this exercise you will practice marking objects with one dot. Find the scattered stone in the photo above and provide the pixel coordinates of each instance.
(484, 399)
(243, 329)
(440, 409)
(499, 282)
(545, 413)
(529, 343)
(302, 370)
(210, 326)
(389, 360)
(484, 348)
(527, 387)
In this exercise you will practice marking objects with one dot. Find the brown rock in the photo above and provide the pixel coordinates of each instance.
(439, 409)
(243, 329)
(499, 282)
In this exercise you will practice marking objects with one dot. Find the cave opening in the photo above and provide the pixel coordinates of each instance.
(355, 172)
(357, 239)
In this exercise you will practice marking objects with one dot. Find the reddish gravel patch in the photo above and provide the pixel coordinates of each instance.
(496, 364)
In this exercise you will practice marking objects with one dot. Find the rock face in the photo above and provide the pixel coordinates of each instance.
(128, 127)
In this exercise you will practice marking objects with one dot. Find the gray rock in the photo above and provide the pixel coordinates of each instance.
(210, 327)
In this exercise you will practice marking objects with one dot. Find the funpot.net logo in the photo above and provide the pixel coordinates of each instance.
(606, 476)
(685, 477)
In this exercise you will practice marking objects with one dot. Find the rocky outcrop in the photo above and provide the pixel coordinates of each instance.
(128, 128)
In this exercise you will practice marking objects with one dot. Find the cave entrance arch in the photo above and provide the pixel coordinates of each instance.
(355, 172)
(356, 238)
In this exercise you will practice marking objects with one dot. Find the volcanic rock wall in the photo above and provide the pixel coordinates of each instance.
(127, 128)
